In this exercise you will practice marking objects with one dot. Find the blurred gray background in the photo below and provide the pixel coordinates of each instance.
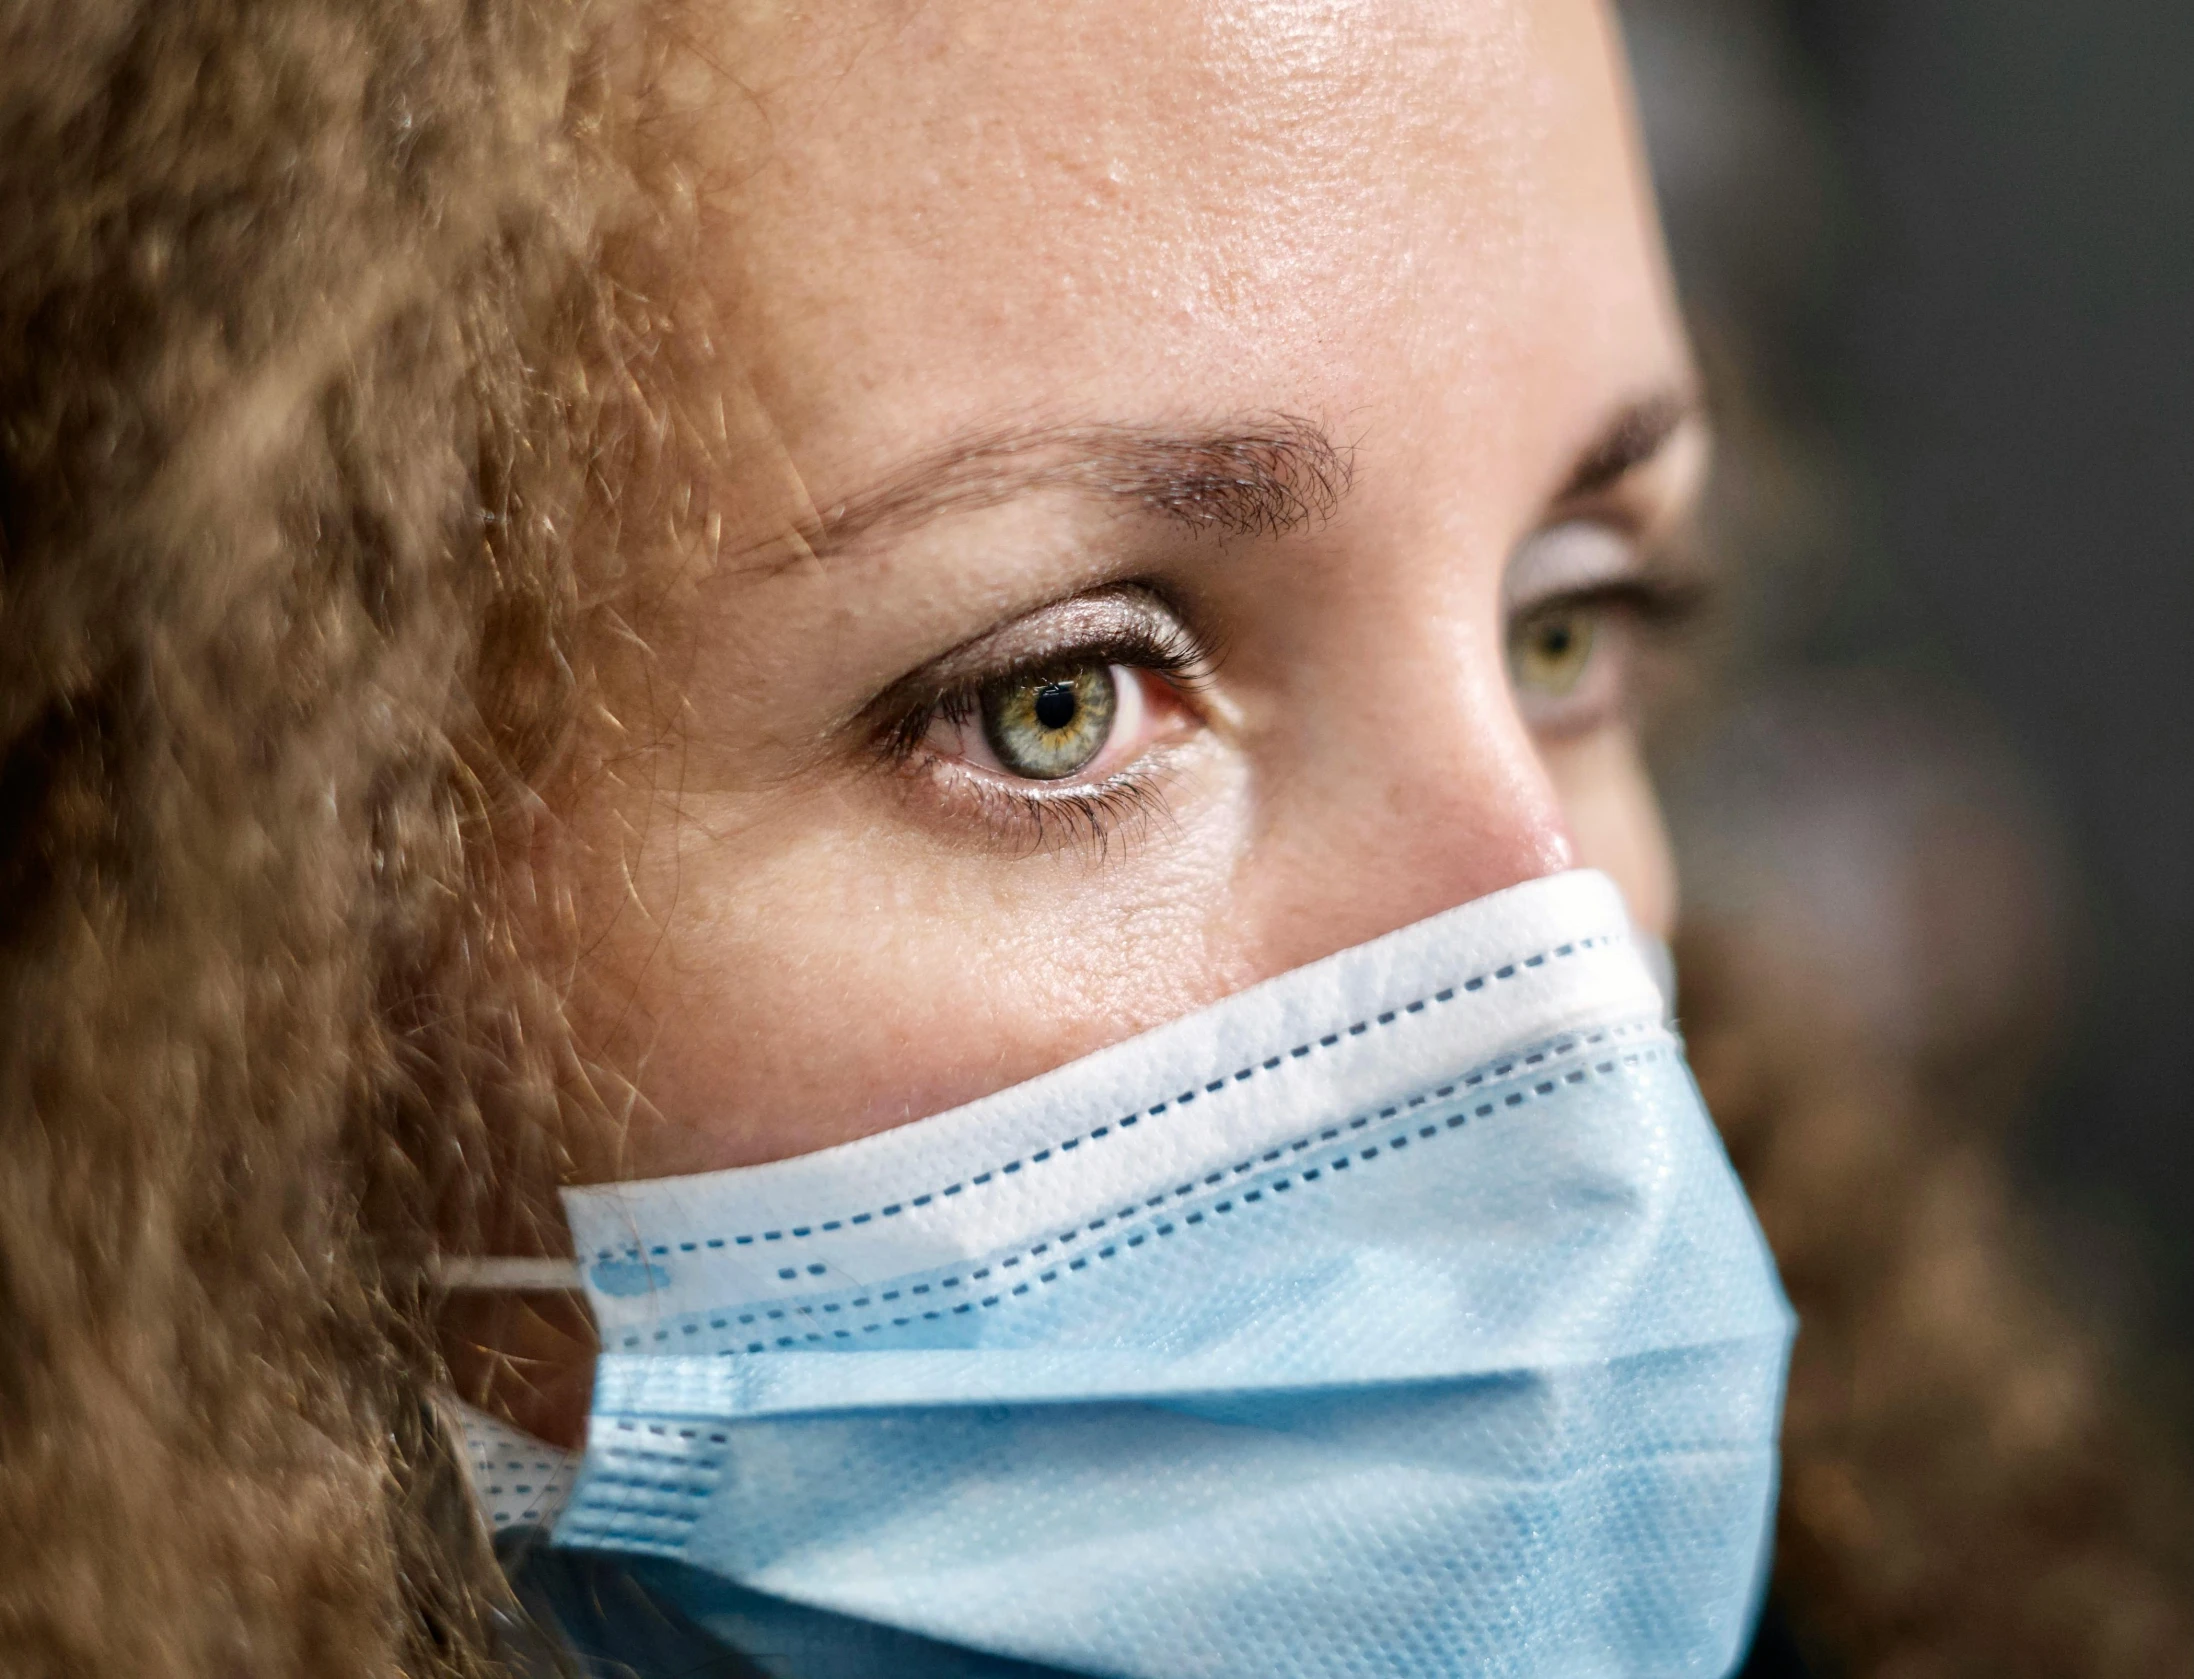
(1940, 256)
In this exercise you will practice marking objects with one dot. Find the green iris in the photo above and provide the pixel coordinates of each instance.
(1549, 652)
(1049, 727)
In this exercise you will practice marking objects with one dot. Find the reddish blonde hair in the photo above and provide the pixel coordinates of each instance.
(332, 379)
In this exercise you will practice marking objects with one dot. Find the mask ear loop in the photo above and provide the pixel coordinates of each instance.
(518, 1480)
(474, 1273)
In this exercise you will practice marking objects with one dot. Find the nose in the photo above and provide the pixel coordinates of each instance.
(1405, 784)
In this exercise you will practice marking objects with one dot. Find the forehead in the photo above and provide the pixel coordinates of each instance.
(926, 217)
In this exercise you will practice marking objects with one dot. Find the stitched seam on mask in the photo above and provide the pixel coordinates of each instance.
(1097, 1134)
(548, 1479)
(612, 1497)
(1060, 1266)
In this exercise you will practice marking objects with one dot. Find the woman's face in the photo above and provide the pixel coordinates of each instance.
(1187, 460)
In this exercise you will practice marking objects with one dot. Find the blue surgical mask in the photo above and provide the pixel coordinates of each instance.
(1400, 1316)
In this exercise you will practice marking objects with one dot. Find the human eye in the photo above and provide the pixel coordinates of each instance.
(1580, 599)
(1551, 650)
(1050, 725)
(1058, 726)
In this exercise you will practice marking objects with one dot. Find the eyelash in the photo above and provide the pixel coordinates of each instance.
(1086, 817)
(1656, 602)
(1659, 604)
(1092, 816)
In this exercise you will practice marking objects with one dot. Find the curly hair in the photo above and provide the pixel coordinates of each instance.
(1978, 1479)
(347, 377)
(334, 373)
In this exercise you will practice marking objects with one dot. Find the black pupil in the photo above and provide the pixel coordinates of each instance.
(1555, 638)
(1056, 705)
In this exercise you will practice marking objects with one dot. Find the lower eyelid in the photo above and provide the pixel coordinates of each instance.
(1028, 818)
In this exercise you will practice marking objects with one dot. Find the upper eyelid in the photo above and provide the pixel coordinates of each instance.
(1663, 565)
(1075, 626)
(1062, 629)
(1599, 556)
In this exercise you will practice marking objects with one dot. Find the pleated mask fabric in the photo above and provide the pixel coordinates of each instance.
(1400, 1316)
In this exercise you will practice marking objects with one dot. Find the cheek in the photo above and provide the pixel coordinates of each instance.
(820, 973)
(1614, 820)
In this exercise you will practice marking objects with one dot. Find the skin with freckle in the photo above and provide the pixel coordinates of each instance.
(1420, 226)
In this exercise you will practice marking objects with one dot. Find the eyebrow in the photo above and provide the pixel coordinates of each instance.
(1635, 435)
(1264, 476)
